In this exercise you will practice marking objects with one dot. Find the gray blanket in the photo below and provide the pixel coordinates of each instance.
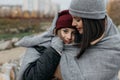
(99, 62)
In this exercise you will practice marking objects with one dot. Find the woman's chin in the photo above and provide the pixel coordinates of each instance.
(81, 32)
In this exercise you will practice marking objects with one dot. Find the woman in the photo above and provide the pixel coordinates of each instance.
(41, 65)
(99, 56)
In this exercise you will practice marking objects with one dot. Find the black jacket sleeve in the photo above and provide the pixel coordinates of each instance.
(44, 67)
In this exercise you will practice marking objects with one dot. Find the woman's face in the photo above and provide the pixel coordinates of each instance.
(67, 35)
(77, 22)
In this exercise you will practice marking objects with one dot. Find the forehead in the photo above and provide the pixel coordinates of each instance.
(70, 29)
(76, 17)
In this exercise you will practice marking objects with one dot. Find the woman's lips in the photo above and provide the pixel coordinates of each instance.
(78, 29)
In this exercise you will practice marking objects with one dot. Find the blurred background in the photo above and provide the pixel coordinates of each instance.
(20, 18)
(24, 17)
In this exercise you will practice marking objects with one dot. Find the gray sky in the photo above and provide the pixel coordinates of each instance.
(10, 1)
(64, 4)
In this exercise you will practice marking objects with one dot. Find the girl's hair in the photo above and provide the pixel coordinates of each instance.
(92, 30)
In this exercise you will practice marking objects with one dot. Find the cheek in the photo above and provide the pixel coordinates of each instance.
(81, 31)
(80, 24)
(62, 35)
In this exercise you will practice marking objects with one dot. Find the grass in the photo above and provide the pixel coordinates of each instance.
(29, 26)
(9, 36)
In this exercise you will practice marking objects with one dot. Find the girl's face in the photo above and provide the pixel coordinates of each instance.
(77, 22)
(67, 35)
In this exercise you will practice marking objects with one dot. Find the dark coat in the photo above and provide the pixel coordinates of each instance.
(44, 67)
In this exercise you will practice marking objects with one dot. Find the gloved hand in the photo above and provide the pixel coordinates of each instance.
(57, 44)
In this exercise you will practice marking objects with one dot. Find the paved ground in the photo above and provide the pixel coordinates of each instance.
(11, 54)
(15, 53)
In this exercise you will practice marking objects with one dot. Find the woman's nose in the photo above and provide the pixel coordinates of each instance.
(73, 23)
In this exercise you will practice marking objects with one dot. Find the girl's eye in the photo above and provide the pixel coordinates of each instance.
(73, 33)
(65, 31)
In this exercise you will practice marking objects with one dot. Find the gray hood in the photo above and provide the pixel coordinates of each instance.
(99, 62)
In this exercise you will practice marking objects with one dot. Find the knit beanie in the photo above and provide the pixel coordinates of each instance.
(92, 9)
(64, 20)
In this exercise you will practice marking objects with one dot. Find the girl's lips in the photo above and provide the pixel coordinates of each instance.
(67, 42)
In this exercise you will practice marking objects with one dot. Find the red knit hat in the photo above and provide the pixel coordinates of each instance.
(64, 20)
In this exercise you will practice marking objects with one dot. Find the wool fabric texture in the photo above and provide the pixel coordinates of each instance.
(64, 20)
(92, 9)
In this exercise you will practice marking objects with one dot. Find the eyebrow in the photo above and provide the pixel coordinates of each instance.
(76, 17)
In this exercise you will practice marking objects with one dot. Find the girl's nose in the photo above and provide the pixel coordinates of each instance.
(69, 36)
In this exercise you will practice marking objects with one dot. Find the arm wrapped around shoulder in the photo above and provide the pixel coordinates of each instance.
(57, 44)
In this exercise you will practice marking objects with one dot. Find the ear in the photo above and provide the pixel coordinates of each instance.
(57, 33)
